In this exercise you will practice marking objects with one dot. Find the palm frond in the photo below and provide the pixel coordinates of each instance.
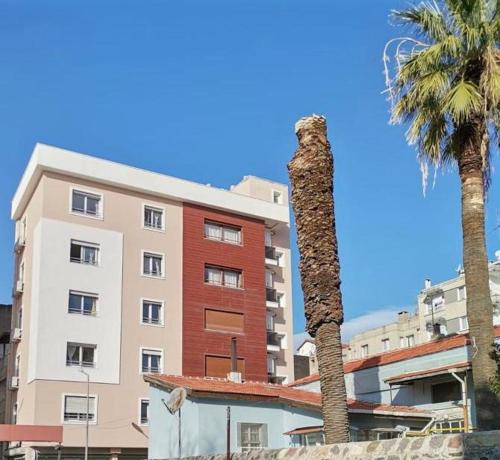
(462, 100)
(426, 18)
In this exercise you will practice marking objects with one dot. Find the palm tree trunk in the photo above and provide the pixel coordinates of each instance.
(479, 305)
(311, 177)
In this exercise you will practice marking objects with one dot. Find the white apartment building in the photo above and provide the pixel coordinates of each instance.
(441, 308)
(121, 272)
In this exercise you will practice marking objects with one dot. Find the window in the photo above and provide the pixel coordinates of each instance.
(463, 323)
(75, 408)
(408, 341)
(223, 276)
(271, 364)
(313, 439)
(364, 351)
(152, 264)
(82, 303)
(220, 366)
(84, 253)
(221, 232)
(224, 321)
(269, 322)
(277, 197)
(14, 414)
(152, 312)
(153, 218)
(144, 412)
(268, 238)
(86, 203)
(446, 391)
(151, 361)
(461, 293)
(80, 355)
(252, 436)
(386, 344)
(269, 279)
(280, 258)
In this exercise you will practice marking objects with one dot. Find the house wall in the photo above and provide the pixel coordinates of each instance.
(369, 384)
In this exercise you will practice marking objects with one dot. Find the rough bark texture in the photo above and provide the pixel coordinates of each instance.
(311, 177)
(479, 305)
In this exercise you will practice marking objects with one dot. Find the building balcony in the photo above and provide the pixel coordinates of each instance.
(19, 244)
(18, 288)
(273, 341)
(271, 257)
(272, 296)
(16, 335)
(276, 379)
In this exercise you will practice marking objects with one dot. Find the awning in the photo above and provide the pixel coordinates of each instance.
(305, 430)
(33, 433)
(427, 373)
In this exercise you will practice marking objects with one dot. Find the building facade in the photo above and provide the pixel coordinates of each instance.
(441, 310)
(121, 272)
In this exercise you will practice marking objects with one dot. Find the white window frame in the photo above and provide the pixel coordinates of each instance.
(280, 258)
(363, 348)
(463, 321)
(408, 344)
(263, 442)
(156, 208)
(88, 245)
(222, 271)
(386, 341)
(281, 298)
(80, 363)
(83, 190)
(139, 418)
(461, 296)
(87, 294)
(79, 422)
(222, 227)
(280, 194)
(162, 312)
(153, 253)
(154, 350)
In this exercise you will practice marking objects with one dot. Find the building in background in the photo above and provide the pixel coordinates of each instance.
(435, 377)
(121, 272)
(261, 416)
(440, 311)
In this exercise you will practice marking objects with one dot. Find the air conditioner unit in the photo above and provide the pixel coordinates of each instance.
(19, 286)
(16, 335)
(14, 383)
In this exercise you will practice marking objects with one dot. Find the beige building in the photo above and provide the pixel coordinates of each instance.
(120, 272)
(441, 309)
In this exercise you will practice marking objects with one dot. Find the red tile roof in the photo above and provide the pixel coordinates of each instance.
(222, 388)
(381, 359)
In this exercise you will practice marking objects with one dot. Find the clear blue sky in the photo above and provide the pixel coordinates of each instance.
(210, 91)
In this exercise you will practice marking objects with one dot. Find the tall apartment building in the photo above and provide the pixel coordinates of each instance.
(441, 308)
(121, 272)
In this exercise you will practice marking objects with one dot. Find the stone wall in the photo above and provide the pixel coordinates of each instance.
(480, 446)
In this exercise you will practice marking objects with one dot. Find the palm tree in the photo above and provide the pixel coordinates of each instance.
(446, 85)
(311, 176)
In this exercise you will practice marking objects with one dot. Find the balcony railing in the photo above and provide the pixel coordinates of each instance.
(272, 378)
(270, 253)
(271, 295)
(273, 339)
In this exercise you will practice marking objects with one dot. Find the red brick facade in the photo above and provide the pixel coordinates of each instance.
(197, 295)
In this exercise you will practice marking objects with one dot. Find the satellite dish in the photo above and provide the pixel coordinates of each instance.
(176, 400)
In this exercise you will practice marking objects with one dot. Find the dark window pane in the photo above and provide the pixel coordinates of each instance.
(75, 251)
(78, 202)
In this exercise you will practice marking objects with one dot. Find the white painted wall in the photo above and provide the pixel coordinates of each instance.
(53, 276)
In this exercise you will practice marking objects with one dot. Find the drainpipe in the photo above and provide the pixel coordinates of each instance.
(463, 383)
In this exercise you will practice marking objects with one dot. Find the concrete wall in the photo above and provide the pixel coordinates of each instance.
(484, 446)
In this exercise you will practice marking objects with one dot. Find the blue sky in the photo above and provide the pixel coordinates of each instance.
(210, 91)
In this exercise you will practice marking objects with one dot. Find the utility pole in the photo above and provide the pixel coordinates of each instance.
(87, 415)
(228, 433)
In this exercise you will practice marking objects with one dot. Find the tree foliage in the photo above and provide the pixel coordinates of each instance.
(444, 75)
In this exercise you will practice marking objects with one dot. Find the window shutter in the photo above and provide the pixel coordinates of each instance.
(263, 435)
(238, 435)
(76, 404)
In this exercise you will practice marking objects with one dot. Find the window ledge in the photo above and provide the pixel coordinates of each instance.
(88, 216)
(223, 286)
(152, 324)
(162, 277)
(153, 229)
